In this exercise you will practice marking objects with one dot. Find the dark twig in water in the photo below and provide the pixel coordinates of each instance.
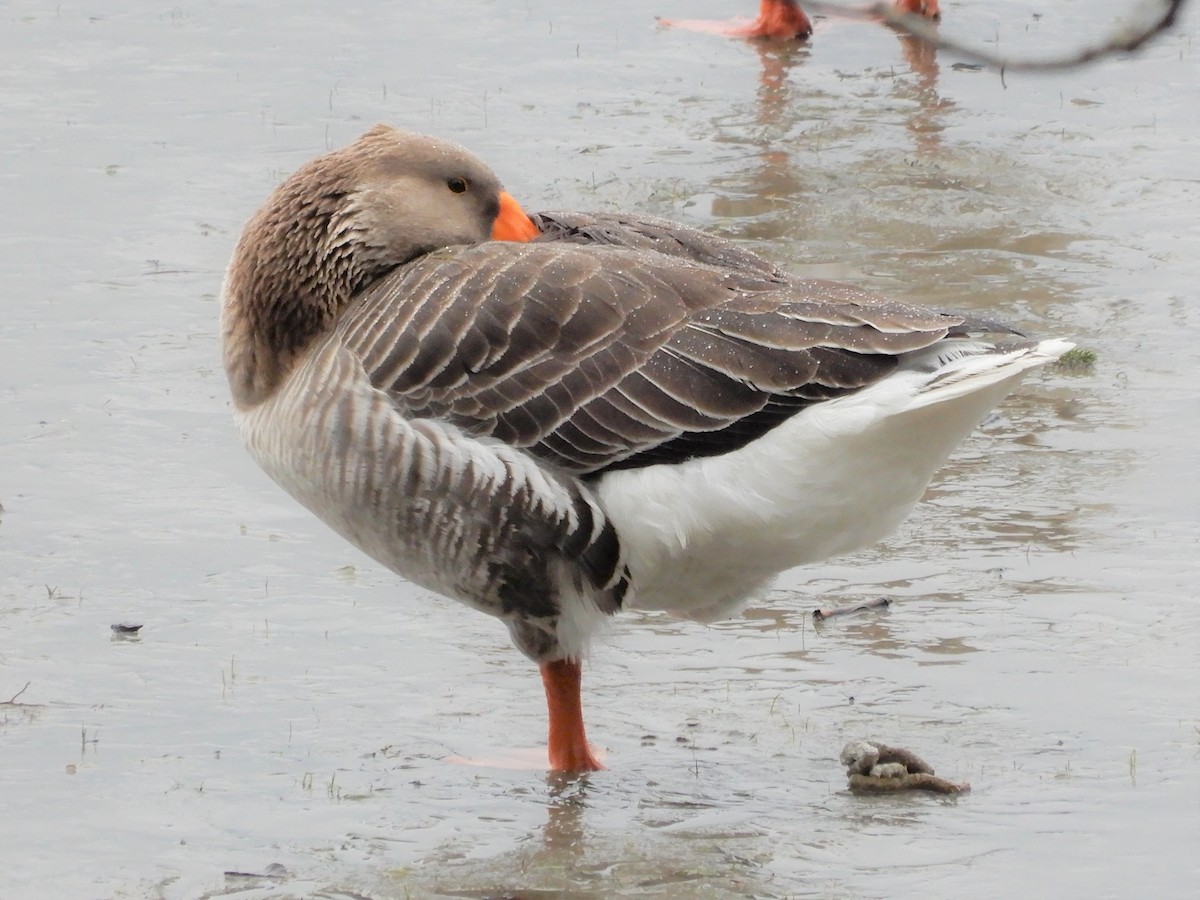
(1124, 39)
(275, 872)
(878, 603)
(122, 628)
(12, 701)
(875, 768)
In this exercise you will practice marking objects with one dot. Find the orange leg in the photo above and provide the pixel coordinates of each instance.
(569, 750)
(777, 19)
(927, 8)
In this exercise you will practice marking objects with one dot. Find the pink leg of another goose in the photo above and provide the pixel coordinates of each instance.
(785, 20)
(777, 19)
(927, 8)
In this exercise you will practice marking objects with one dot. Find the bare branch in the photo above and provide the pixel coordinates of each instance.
(12, 701)
(1125, 39)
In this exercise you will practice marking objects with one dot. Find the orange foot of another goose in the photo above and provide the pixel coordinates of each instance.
(777, 19)
(927, 8)
(569, 750)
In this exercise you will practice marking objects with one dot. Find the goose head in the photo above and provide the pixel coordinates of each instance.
(336, 225)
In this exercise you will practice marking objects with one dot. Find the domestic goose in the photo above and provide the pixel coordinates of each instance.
(553, 417)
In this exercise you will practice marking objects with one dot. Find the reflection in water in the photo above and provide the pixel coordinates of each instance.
(926, 121)
(777, 178)
(781, 175)
(564, 812)
(917, 216)
(698, 843)
(775, 62)
(874, 634)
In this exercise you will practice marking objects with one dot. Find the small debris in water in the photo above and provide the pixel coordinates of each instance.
(1077, 359)
(863, 756)
(879, 603)
(273, 872)
(123, 628)
(875, 768)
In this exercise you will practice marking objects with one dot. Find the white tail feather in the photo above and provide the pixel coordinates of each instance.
(704, 537)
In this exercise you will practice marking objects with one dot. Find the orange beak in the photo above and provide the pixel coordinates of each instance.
(512, 224)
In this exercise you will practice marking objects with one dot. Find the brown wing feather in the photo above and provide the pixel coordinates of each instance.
(619, 341)
(636, 232)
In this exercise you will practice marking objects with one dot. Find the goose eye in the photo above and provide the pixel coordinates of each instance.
(458, 185)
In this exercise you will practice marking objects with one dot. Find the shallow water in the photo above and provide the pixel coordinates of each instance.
(288, 703)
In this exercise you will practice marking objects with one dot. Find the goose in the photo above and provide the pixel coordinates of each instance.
(785, 20)
(553, 417)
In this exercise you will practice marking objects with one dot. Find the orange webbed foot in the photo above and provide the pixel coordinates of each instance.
(777, 20)
(578, 760)
(927, 8)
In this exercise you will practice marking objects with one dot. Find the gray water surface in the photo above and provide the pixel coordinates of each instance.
(289, 703)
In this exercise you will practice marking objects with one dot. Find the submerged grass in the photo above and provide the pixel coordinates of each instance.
(1077, 361)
